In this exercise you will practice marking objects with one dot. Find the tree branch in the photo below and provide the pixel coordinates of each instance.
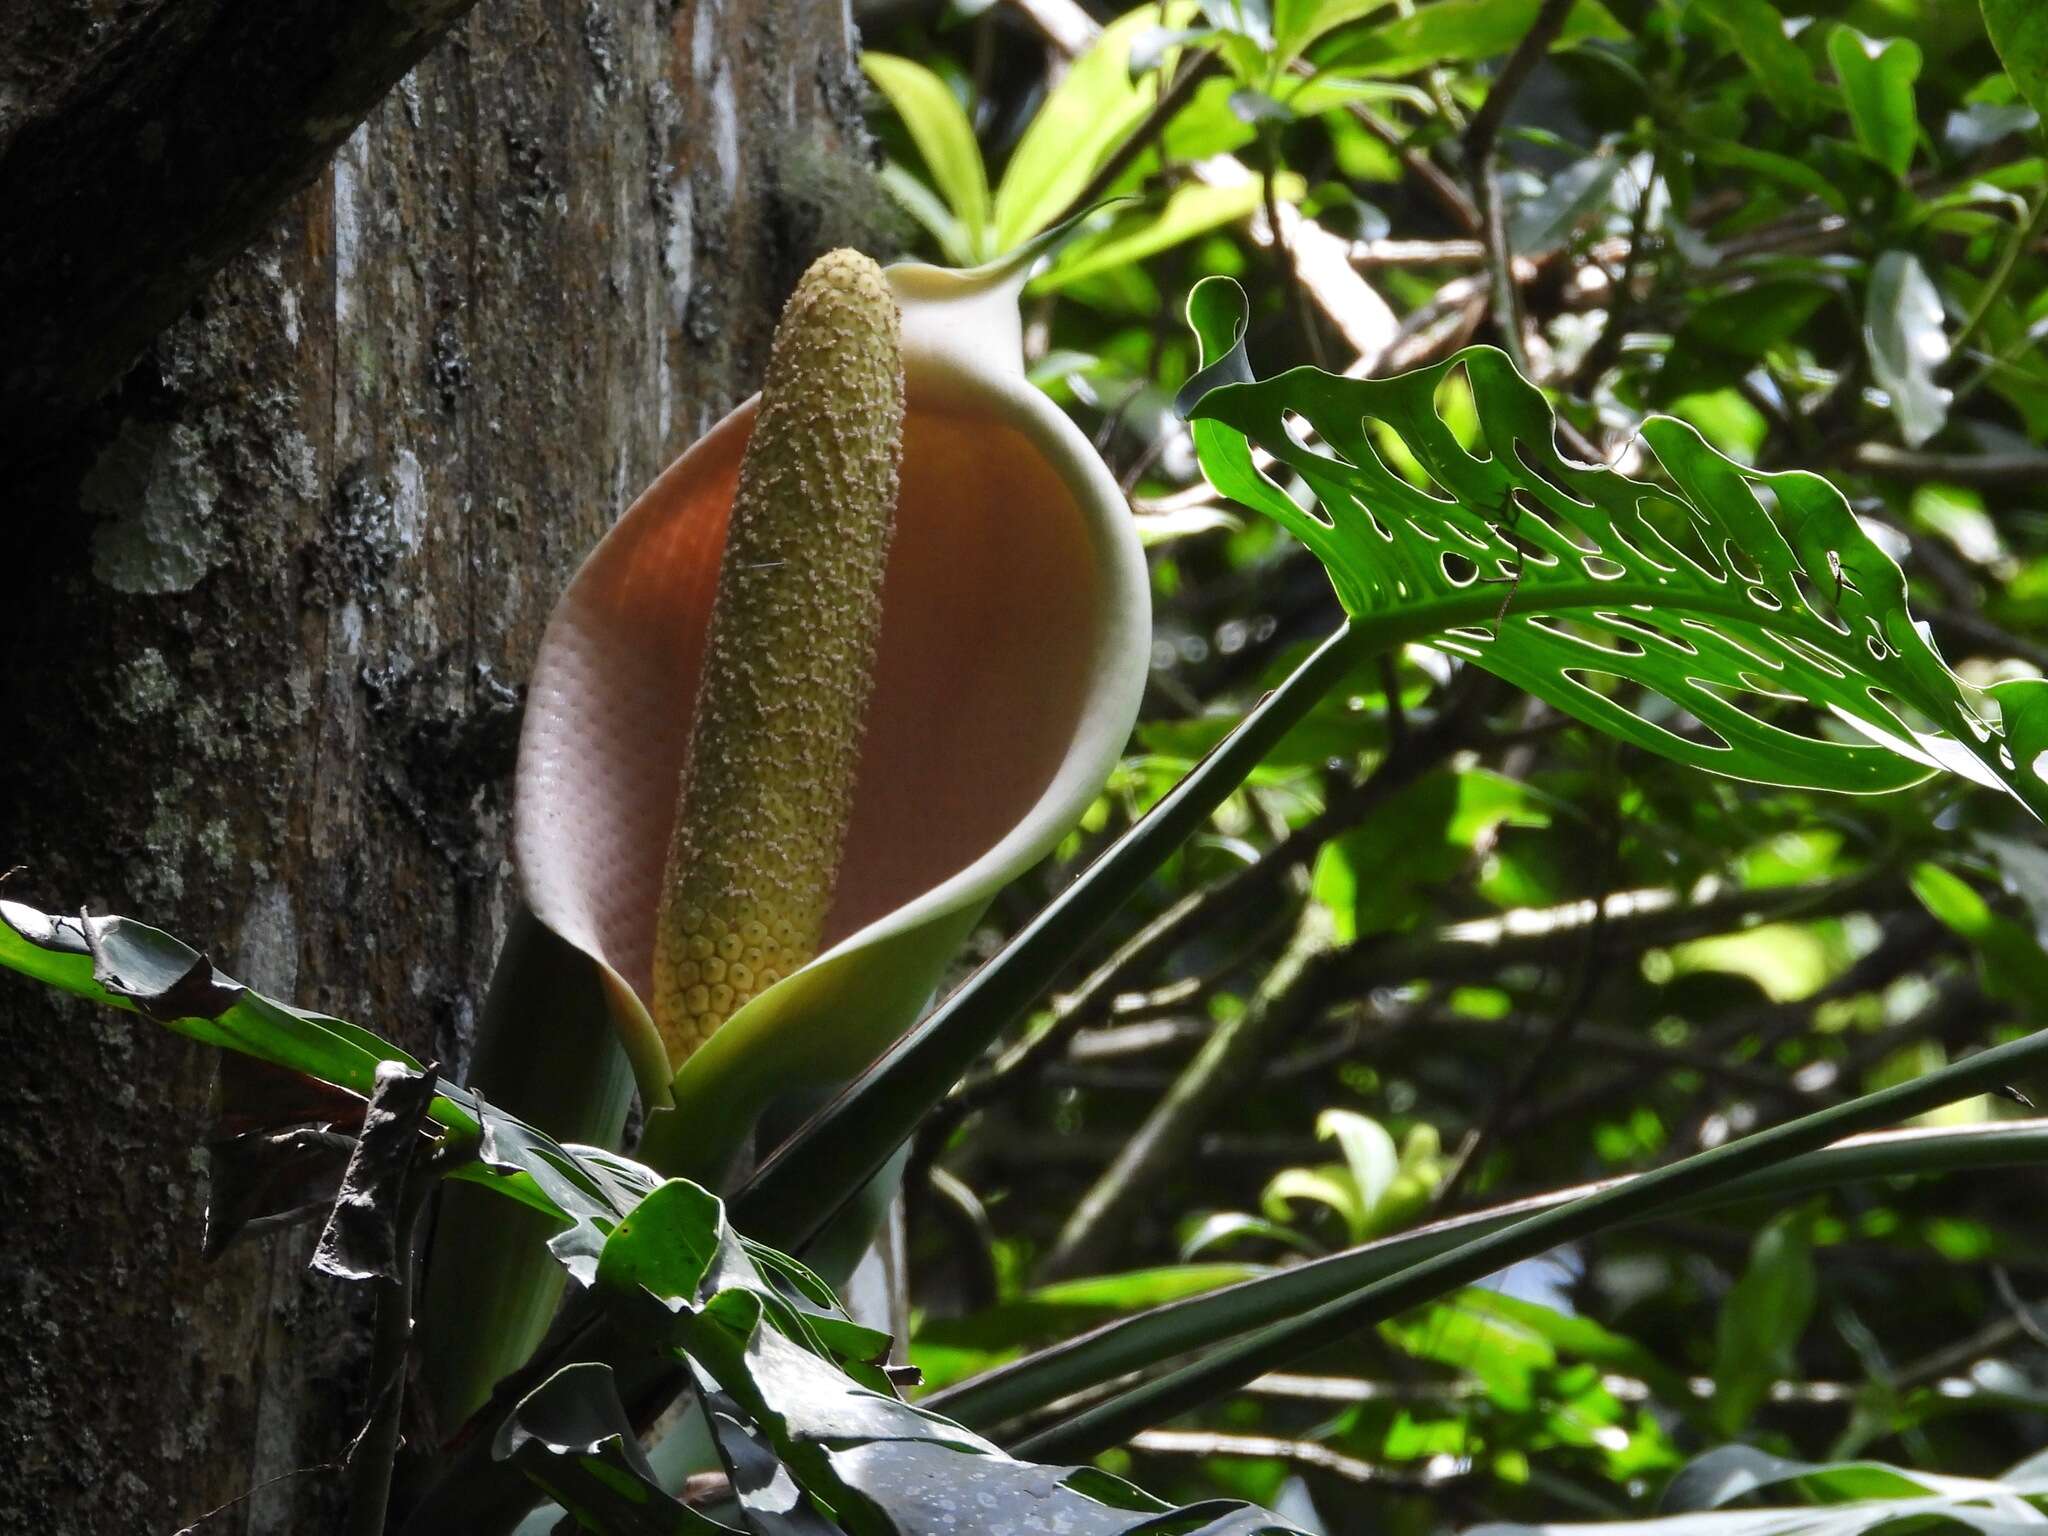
(126, 196)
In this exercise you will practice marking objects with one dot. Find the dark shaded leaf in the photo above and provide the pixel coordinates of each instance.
(2019, 31)
(1757, 1333)
(571, 1436)
(769, 1497)
(362, 1237)
(262, 1181)
(1756, 30)
(900, 1468)
(1547, 220)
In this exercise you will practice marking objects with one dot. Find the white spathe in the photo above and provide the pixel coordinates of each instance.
(1015, 634)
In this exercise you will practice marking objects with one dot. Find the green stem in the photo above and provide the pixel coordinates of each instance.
(1230, 1367)
(796, 1191)
(834, 1155)
(2002, 274)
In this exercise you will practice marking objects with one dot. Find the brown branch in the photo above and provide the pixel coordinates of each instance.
(1305, 1453)
(2015, 467)
(125, 197)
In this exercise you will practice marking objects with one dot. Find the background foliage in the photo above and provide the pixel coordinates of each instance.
(1447, 947)
(1440, 1137)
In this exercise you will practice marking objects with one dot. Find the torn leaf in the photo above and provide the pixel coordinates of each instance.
(362, 1237)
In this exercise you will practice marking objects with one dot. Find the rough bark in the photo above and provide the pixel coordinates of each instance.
(143, 171)
(264, 654)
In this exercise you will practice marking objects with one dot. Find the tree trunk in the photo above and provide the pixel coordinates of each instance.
(264, 652)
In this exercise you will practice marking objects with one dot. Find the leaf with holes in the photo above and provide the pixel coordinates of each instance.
(1732, 619)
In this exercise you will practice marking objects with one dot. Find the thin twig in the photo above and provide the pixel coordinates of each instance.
(371, 1458)
(1175, 1124)
(1585, 980)
(2019, 466)
(1305, 1453)
(1176, 95)
(1283, 247)
(1224, 900)
(1481, 140)
(2002, 274)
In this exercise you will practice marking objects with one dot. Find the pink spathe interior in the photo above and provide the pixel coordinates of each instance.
(989, 630)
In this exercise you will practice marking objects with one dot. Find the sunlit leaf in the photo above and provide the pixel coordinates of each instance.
(1080, 121)
(1733, 599)
(938, 126)
(1459, 31)
(1877, 83)
(1904, 331)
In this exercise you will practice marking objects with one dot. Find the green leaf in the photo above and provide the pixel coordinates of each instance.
(930, 211)
(1903, 330)
(1224, 1366)
(572, 1436)
(1298, 23)
(1756, 30)
(884, 1465)
(1756, 1336)
(2019, 31)
(1762, 162)
(1190, 210)
(2015, 966)
(1731, 596)
(1844, 1498)
(1011, 1391)
(1461, 32)
(1081, 120)
(1723, 338)
(129, 965)
(938, 126)
(1877, 83)
(666, 1245)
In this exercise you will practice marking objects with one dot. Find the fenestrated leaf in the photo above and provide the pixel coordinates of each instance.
(1733, 598)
